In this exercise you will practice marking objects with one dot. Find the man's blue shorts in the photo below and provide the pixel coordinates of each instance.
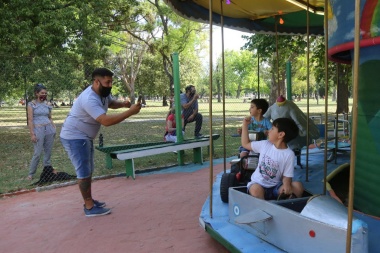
(81, 154)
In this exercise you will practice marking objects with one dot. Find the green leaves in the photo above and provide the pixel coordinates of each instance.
(64, 40)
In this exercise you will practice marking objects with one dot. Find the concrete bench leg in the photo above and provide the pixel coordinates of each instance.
(197, 152)
(130, 168)
(108, 161)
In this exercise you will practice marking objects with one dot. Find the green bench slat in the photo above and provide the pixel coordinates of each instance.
(170, 144)
(112, 148)
(113, 151)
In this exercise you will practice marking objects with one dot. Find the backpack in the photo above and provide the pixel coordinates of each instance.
(49, 174)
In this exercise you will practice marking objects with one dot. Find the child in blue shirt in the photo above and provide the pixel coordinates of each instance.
(258, 122)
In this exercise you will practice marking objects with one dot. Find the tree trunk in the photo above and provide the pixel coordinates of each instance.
(282, 84)
(238, 93)
(164, 102)
(333, 97)
(273, 91)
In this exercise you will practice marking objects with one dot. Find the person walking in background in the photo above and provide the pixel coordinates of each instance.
(82, 125)
(189, 103)
(41, 127)
(170, 134)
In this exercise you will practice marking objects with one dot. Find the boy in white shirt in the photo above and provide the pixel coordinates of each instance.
(275, 169)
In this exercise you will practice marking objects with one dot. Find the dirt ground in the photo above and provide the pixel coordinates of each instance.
(154, 213)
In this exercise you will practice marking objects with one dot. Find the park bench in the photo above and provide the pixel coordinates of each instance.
(128, 152)
(112, 148)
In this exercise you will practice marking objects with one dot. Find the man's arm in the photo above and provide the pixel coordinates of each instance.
(192, 101)
(109, 120)
(115, 104)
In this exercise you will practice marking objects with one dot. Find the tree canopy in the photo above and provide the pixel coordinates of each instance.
(61, 42)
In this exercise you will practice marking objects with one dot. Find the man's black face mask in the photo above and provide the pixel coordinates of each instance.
(104, 91)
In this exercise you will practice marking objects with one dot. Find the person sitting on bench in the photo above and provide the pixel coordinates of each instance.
(170, 134)
(189, 103)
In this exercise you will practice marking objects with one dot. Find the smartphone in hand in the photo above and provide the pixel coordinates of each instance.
(139, 99)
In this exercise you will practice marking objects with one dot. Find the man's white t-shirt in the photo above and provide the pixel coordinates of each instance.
(81, 122)
(273, 164)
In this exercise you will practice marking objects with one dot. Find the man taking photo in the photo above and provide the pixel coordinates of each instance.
(189, 103)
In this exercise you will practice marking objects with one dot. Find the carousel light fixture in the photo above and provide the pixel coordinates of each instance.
(306, 6)
(279, 17)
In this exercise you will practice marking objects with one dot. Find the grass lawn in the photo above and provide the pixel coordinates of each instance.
(147, 126)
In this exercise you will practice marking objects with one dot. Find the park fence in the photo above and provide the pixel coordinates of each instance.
(65, 79)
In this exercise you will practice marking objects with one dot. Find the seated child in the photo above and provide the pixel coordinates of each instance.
(258, 122)
(170, 134)
(274, 172)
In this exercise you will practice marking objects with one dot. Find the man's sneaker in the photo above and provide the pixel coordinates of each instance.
(198, 135)
(98, 203)
(96, 211)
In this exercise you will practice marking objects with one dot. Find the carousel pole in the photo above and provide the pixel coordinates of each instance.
(278, 69)
(210, 108)
(326, 94)
(289, 80)
(177, 105)
(223, 88)
(307, 89)
(258, 74)
(354, 124)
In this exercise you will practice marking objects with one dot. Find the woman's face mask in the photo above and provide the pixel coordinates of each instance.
(42, 97)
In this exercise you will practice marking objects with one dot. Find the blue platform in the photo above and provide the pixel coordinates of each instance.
(236, 239)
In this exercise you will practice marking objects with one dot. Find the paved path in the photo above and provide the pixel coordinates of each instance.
(154, 213)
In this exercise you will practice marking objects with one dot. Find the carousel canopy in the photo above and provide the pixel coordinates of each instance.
(256, 16)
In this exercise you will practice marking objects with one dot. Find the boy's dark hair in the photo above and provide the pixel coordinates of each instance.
(261, 104)
(101, 72)
(288, 126)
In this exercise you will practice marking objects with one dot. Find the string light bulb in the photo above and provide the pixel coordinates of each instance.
(281, 21)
